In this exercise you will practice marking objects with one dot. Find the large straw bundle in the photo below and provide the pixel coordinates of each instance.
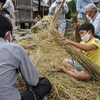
(47, 55)
(75, 20)
(1, 5)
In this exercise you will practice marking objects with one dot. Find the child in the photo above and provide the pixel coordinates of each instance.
(89, 46)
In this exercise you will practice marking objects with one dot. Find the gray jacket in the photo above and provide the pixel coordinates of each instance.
(13, 58)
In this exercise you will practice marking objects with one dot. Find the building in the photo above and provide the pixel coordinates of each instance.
(25, 15)
(40, 8)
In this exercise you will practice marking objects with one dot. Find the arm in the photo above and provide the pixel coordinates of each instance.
(6, 11)
(27, 69)
(81, 46)
(78, 7)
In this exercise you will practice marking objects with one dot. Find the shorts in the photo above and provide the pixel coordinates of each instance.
(78, 67)
(75, 65)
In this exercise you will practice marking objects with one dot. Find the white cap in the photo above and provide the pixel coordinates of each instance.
(91, 7)
(58, 0)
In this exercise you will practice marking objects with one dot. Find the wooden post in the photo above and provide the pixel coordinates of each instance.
(39, 7)
(49, 2)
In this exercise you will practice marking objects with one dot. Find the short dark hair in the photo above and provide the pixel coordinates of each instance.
(5, 25)
(87, 27)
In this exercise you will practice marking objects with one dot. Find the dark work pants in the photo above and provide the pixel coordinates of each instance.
(37, 92)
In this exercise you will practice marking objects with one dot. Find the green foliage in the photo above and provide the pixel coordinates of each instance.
(72, 8)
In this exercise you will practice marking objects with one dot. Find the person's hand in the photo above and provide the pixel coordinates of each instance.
(53, 8)
(16, 11)
(65, 41)
(77, 25)
(62, 6)
(11, 16)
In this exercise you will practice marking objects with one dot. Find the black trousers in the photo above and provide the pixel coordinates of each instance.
(37, 92)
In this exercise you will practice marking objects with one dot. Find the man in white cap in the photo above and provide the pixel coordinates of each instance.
(94, 17)
(61, 23)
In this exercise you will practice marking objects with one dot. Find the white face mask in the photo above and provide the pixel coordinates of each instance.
(86, 37)
(10, 37)
(88, 17)
(57, 5)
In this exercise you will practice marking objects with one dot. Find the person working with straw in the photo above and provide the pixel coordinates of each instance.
(14, 59)
(90, 47)
(61, 23)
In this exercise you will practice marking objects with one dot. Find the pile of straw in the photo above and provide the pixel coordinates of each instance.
(43, 23)
(47, 55)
